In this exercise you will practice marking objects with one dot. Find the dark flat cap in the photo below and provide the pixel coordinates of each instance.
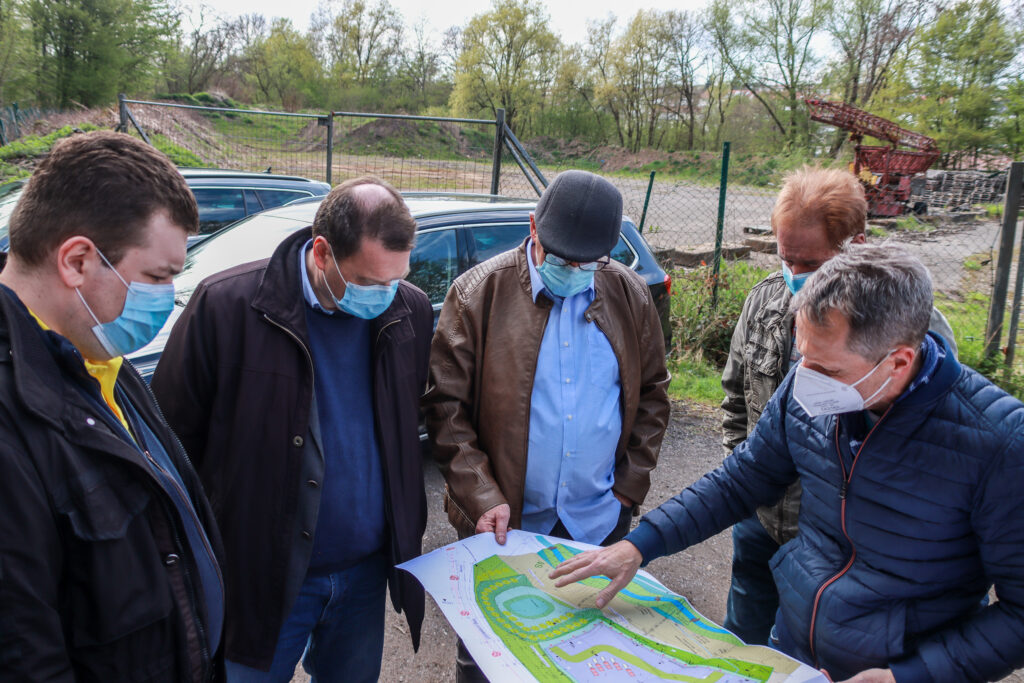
(579, 216)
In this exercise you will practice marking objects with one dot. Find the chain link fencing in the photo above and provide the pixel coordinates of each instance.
(957, 238)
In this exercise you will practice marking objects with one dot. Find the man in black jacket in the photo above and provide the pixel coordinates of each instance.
(294, 384)
(108, 553)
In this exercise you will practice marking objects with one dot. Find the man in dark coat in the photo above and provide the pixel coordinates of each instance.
(294, 384)
(911, 466)
(108, 551)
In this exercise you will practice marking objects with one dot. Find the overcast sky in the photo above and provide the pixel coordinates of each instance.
(568, 17)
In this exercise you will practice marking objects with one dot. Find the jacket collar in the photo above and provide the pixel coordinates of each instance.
(37, 377)
(279, 294)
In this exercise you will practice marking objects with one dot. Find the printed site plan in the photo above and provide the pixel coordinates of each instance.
(519, 627)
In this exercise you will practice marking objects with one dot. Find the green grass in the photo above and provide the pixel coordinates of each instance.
(875, 231)
(701, 335)
(176, 153)
(696, 380)
(32, 147)
(911, 224)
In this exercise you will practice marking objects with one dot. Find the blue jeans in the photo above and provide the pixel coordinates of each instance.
(336, 627)
(753, 597)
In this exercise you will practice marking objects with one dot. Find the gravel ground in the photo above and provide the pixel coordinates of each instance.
(701, 573)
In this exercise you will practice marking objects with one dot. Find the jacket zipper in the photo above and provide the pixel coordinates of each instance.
(203, 642)
(388, 510)
(204, 649)
(844, 488)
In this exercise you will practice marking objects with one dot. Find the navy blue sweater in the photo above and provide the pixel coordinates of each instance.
(351, 524)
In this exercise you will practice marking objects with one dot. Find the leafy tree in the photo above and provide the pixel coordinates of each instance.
(90, 49)
(505, 62)
(361, 44)
(15, 53)
(950, 85)
(200, 55)
(282, 65)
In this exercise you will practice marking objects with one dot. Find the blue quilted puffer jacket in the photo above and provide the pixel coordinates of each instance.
(897, 545)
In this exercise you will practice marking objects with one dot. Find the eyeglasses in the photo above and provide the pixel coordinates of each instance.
(589, 265)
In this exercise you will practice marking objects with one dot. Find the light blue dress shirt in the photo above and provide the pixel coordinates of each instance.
(575, 422)
(307, 288)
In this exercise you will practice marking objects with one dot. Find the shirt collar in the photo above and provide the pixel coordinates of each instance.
(537, 283)
(307, 288)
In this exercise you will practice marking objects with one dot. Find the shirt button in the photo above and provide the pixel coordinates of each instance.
(171, 559)
(565, 343)
(297, 441)
(568, 417)
(568, 380)
(563, 484)
(567, 454)
(313, 483)
(306, 535)
(89, 421)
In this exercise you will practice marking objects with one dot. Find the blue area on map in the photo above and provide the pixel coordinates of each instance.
(694, 618)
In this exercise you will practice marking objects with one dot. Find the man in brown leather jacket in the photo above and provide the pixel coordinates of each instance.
(546, 401)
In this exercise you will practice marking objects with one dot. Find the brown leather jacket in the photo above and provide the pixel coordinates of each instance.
(482, 364)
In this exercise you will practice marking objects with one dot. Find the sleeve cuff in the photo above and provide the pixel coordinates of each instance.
(647, 540)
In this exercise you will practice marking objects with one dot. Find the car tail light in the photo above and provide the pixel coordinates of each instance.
(668, 284)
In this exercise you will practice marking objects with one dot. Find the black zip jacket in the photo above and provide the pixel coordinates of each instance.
(97, 581)
(236, 382)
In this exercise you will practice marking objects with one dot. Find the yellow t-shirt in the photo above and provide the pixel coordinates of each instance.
(104, 372)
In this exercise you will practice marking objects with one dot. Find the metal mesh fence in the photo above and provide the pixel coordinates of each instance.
(456, 155)
(414, 154)
(243, 140)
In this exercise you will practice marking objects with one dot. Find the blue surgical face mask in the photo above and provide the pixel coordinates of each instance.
(564, 281)
(794, 282)
(363, 301)
(146, 309)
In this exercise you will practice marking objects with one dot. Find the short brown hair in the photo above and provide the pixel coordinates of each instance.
(831, 196)
(104, 186)
(345, 218)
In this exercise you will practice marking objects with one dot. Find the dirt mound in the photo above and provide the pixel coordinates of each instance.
(416, 138)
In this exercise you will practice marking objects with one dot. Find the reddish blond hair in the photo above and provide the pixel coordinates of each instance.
(829, 196)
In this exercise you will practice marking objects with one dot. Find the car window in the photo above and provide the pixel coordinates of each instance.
(252, 204)
(272, 198)
(218, 206)
(434, 263)
(623, 253)
(7, 204)
(492, 240)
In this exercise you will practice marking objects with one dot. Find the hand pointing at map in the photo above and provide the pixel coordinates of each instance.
(619, 562)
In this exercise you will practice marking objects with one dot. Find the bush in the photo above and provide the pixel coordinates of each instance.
(703, 331)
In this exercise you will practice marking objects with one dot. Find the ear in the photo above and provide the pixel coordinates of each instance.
(903, 360)
(76, 260)
(533, 229)
(321, 253)
(859, 238)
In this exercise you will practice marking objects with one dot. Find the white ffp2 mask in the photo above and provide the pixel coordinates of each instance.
(820, 394)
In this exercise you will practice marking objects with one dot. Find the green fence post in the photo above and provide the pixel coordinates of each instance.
(994, 328)
(647, 200)
(721, 224)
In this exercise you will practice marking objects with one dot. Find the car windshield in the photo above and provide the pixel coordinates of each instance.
(251, 239)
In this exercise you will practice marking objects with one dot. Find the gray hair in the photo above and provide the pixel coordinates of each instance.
(883, 291)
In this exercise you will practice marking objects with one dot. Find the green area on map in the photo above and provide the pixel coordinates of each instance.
(558, 635)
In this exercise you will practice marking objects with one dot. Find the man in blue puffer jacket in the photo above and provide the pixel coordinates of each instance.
(911, 466)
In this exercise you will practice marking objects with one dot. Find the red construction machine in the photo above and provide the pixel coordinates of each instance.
(885, 170)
